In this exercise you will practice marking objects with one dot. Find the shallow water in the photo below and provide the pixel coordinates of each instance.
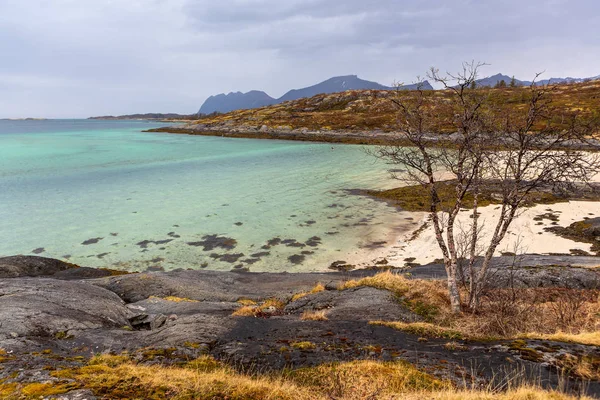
(103, 193)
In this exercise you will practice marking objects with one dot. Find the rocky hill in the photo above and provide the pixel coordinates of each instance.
(223, 103)
(365, 116)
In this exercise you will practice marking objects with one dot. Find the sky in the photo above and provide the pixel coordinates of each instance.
(81, 58)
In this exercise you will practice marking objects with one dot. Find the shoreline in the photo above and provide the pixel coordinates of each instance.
(344, 137)
(375, 137)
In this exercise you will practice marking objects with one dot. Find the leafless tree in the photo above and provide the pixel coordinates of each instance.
(472, 140)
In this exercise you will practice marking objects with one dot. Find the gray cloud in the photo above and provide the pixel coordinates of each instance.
(75, 58)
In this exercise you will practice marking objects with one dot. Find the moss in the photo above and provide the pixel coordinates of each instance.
(418, 197)
(526, 353)
(304, 346)
(47, 389)
(62, 335)
(205, 364)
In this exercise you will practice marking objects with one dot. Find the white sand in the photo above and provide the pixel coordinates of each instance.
(524, 229)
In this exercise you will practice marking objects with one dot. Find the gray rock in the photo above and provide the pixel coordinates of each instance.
(41, 307)
(75, 395)
(360, 304)
(212, 286)
(19, 266)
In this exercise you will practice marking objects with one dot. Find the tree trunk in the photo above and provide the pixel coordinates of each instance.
(453, 291)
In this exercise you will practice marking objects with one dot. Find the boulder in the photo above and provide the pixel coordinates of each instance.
(48, 308)
(19, 266)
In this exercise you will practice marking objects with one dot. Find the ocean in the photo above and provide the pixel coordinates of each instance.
(105, 194)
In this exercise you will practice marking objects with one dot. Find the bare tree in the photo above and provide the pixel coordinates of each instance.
(470, 140)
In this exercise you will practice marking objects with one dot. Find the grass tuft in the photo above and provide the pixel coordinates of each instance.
(320, 315)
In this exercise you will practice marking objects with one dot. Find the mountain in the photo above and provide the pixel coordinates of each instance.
(148, 116)
(255, 99)
(235, 101)
(491, 81)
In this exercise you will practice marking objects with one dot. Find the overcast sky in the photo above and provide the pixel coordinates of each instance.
(77, 58)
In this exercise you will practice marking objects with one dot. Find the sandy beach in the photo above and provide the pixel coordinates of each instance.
(526, 230)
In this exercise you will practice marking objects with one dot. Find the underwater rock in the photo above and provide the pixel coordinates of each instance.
(211, 242)
(91, 241)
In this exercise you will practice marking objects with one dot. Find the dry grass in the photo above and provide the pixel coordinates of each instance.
(320, 315)
(589, 338)
(246, 302)
(522, 393)
(426, 298)
(205, 378)
(318, 288)
(270, 306)
(553, 314)
(422, 329)
(175, 299)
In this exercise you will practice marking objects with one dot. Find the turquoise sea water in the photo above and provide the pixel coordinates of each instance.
(106, 194)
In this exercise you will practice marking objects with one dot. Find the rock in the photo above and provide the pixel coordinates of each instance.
(75, 395)
(47, 308)
(360, 304)
(19, 266)
(211, 286)
(563, 277)
(148, 322)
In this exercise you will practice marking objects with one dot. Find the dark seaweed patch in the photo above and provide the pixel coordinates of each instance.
(314, 241)
(91, 241)
(297, 259)
(261, 254)
(145, 243)
(229, 258)
(274, 242)
(211, 242)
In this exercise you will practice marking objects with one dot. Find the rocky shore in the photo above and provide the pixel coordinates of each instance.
(57, 315)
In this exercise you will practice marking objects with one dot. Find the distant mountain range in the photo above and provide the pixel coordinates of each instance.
(223, 103)
(493, 80)
(148, 116)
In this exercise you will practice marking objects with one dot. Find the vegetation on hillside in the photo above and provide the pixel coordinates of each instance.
(360, 110)
(118, 377)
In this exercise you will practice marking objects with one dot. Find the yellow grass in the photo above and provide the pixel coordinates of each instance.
(206, 378)
(246, 302)
(318, 288)
(523, 393)
(175, 299)
(320, 315)
(421, 329)
(589, 338)
(535, 314)
(254, 310)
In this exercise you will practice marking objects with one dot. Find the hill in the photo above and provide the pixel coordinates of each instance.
(493, 80)
(234, 101)
(148, 116)
(255, 99)
(365, 116)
